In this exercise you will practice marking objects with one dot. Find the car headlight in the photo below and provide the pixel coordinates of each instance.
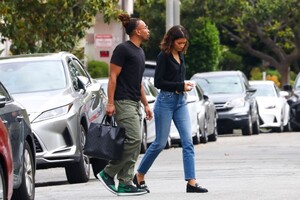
(239, 102)
(56, 112)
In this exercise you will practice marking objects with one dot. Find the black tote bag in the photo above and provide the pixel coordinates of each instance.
(105, 140)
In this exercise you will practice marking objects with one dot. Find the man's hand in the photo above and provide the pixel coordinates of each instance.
(110, 109)
(148, 111)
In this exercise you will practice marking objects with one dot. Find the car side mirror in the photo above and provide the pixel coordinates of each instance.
(284, 93)
(150, 99)
(205, 97)
(81, 85)
(287, 88)
(2, 101)
(251, 90)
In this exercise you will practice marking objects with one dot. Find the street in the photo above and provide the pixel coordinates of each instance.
(264, 166)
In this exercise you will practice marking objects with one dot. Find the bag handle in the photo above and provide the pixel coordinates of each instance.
(109, 120)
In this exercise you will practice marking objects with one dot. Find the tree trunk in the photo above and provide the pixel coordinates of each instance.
(284, 71)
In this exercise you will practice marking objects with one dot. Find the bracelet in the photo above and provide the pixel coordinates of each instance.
(110, 104)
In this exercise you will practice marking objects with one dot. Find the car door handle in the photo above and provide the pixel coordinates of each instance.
(19, 118)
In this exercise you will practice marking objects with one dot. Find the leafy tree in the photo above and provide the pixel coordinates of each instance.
(49, 25)
(267, 29)
(204, 51)
(154, 14)
(230, 60)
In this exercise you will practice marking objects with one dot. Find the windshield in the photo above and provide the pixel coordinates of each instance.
(219, 85)
(32, 76)
(264, 91)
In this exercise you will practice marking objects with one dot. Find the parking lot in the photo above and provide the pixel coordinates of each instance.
(264, 166)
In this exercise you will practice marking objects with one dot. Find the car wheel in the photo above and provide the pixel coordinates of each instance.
(278, 129)
(144, 139)
(79, 172)
(255, 126)
(97, 165)
(214, 136)
(169, 143)
(203, 137)
(26, 190)
(288, 127)
(247, 130)
(3, 188)
(196, 138)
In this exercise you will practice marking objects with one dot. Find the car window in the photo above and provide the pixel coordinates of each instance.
(4, 93)
(219, 85)
(199, 93)
(264, 91)
(76, 69)
(32, 76)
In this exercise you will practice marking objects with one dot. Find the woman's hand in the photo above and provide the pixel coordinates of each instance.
(188, 86)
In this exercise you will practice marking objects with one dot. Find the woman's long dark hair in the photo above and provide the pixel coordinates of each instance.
(173, 34)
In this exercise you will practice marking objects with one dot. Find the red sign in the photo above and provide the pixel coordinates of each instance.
(103, 40)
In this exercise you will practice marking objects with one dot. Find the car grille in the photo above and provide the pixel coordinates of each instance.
(221, 107)
(38, 147)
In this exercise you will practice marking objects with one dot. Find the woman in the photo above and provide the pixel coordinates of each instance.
(171, 105)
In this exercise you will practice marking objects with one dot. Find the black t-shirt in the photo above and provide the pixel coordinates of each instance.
(132, 60)
(169, 74)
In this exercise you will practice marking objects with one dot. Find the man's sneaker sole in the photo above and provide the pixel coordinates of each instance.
(132, 193)
(106, 186)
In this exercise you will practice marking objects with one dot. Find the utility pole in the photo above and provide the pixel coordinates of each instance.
(172, 13)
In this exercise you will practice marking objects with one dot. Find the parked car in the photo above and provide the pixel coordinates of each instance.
(6, 164)
(293, 100)
(234, 100)
(16, 120)
(147, 126)
(273, 109)
(203, 117)
(149, 68)
(62, 100)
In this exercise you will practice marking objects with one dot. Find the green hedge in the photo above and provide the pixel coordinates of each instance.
(98, 69)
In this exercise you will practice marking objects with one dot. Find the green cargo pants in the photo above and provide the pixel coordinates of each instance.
(128, 114)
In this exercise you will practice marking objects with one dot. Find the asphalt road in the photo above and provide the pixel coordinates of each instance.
(258, 167)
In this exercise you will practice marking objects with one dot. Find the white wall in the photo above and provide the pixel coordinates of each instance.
(103, 37)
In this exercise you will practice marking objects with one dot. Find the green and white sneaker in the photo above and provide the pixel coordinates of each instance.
(129, 190)
(107, 181)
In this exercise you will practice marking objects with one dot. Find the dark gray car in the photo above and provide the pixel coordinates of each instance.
(16, 120)
(233, 98)
(62, 101)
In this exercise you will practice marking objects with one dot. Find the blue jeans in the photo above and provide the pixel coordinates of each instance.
(168, 106)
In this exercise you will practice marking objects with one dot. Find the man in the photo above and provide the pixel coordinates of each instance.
(125, 94)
